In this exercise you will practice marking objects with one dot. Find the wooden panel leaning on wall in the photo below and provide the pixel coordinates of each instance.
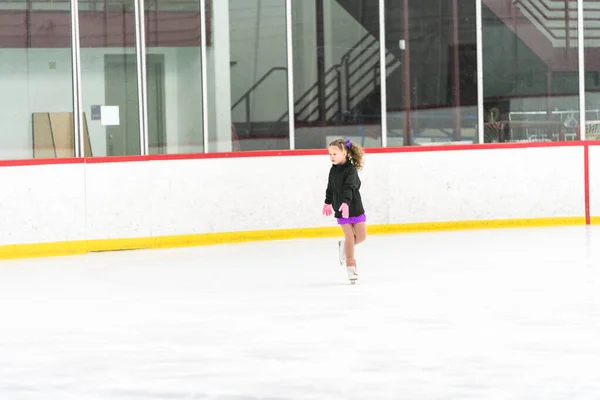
(53, 135)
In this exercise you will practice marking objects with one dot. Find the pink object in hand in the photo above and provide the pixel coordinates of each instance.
(327, 210)
(344, 210)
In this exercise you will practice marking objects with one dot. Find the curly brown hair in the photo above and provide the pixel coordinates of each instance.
(355, 152)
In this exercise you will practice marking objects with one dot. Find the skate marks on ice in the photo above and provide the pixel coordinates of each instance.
(507, 314)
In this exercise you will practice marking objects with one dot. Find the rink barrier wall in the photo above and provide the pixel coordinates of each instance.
(111, 207)
(52, 249)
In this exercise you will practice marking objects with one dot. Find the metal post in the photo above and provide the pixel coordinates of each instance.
(383, 72)
(581, 65)
(290, 73)
(338, 73)
(140, 49)
(406, 64)
(203, 61)
(105, 23)
(28, 22)
(548, 93)
(76, 66)
(321, 58)
(479, 39)
(248, 111)
(567, 32)
(455, 72)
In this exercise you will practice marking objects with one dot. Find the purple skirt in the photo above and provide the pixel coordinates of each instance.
(352, 220)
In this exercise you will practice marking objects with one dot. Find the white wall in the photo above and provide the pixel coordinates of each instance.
(156, 198)
(44, 203)
(594, 169)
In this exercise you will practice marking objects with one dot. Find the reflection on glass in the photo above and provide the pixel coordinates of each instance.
(36, 105)
(337, 72)
(432, 86)
(530, 74)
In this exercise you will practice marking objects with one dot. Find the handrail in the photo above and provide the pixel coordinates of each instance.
(246, 96)
(257, 84)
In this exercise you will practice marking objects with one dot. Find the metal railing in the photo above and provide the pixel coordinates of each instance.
(246, 97)
(345, 84)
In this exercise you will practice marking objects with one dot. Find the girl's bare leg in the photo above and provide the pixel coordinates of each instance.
(360, 232)
(349, 243)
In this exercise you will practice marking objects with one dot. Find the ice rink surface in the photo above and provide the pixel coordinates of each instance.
(490, 314)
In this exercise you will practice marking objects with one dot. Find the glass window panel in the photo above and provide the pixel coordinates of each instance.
(432, 83)
(109, 77)
(174, 76)
(530, 73)
(591, 34)
(336, 72)
(252, 73)
(36, 81)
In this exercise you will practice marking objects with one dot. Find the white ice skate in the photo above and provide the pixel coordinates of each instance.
(352, 275)
(342, 252)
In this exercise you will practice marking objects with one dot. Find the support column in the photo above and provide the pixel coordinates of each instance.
(383, 72)
(581, 65)
(406, 73)
(290, 73)
(140, 51)
(455, 74)
(479, 35)
(76, 66)
(218, 80)
(204, 72)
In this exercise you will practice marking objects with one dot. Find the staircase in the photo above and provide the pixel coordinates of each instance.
(557, 20)
(356, 78)
(549, 29)
(346, 84)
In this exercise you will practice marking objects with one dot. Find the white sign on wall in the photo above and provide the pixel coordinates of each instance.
(109, 115)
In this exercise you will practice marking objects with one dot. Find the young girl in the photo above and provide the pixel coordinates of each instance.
(343, 196)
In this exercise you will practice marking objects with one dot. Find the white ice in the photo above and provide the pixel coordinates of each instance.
(490, 314)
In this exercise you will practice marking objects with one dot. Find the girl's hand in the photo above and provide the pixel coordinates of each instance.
(344, 210)
(327, 210)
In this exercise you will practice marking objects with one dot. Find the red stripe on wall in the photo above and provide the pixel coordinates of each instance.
(291, 153)
(40, 161)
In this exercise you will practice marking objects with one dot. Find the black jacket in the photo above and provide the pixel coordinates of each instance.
(343, 187)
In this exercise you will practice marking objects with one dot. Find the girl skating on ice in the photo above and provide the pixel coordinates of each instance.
(343, 196)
